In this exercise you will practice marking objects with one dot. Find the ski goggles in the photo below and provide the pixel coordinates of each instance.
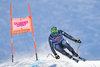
(54, 31)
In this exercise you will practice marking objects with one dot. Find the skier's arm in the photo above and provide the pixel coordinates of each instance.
(68, 36)
(51, 46)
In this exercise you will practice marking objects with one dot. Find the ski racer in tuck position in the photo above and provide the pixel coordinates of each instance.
(58, 43)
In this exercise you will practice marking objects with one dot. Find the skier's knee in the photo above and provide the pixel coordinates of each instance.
(71, 49)
(64, 53)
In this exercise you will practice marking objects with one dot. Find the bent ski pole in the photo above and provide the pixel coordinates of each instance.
(49, 55)
(78, 48)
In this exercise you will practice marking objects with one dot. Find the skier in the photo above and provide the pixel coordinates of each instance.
(58, 43)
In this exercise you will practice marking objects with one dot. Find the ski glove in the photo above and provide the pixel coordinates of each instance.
(57, 56)
(78, 41)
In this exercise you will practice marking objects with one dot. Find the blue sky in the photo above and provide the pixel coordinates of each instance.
(79, 18)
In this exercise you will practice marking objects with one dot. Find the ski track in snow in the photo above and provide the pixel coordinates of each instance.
(45, 62)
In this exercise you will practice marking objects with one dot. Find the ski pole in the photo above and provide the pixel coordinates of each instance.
(49, 55)
(78, 48)
(54, 57)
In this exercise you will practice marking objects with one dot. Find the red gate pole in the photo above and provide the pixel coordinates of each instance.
(33, 32)
(11, 33)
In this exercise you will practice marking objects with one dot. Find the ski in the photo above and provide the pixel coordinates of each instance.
(82, 59)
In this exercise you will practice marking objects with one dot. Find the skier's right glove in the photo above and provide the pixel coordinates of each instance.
(57, 56)
(78, 41)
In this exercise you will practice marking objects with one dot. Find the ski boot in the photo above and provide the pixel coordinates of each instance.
(76, 60)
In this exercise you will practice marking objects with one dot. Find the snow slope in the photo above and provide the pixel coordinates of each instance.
(50, 62)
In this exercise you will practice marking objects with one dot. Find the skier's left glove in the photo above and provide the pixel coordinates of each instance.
(57, 56)
(78, 41)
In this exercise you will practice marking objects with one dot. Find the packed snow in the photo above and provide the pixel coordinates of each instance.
(50, 62)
